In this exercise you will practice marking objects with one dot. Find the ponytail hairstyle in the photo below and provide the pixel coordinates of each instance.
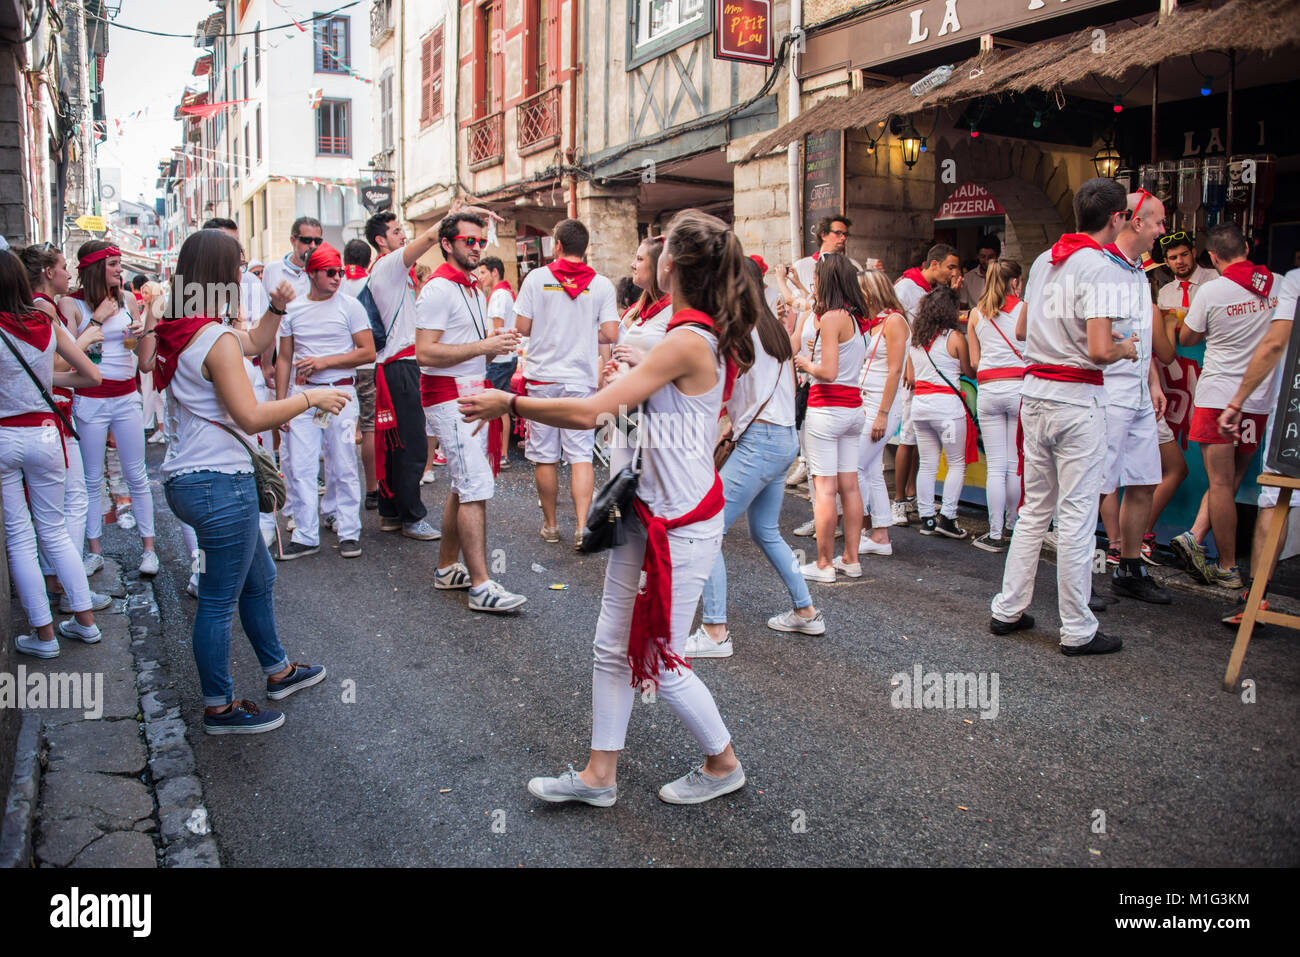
(835, 286)
(709, 266)
(936, 314)
(654, 246)
(997, 287)
(878, 292)
(37, 259)
(771, 330)
(92, 280)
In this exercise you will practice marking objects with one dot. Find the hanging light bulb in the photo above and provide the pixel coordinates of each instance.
(1038, 119)
(974, 133)
(922, 144)
(1207, 86)
(1119, 105)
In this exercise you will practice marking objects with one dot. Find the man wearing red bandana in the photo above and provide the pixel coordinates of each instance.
(570, 316)
(323, 338)
(453, 341)
(1063, 418)
(1231, 315)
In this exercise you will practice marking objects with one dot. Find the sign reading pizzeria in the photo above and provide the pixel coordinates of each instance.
(743, 31)
(969, 201)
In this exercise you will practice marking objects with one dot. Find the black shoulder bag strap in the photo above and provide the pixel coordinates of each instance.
(49, 399)
(960, 395)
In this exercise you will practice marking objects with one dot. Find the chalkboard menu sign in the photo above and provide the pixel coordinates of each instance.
(823, 182)
(1284, 450)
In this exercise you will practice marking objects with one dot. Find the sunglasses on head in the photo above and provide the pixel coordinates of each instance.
(1170, 239)
(309, 240)
(473, 241)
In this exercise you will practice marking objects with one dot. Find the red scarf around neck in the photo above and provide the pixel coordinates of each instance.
(574, 277)
(33, 328)
(173, 336)
(917, 277)
(448, 271)
(1254, 279)
(503, 284)
(354, 272)
(652, 310)
(693, 317)
(1071, 243)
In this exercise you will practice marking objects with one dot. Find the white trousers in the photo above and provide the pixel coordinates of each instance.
(932, 437)
(74, 503)
(999, 414)
(1065, 447)
(611, 676)
(306, 442)
(123, 415)
(871, 465)
(33, 456)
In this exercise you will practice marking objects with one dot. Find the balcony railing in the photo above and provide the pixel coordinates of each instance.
(537, 121)
(486, 141)
(333, 146)
(381, 22)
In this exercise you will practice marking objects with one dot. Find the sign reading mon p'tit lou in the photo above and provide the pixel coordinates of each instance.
(743, 31)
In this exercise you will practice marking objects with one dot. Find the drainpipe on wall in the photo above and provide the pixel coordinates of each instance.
(575, 69)
(792, 151)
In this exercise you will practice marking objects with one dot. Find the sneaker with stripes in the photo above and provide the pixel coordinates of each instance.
(490, 596)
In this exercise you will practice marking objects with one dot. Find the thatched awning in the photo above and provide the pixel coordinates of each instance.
(1244, 25)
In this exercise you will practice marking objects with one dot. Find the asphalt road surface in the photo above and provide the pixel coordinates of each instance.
(1134, 759)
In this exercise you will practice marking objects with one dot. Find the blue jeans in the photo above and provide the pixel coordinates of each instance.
(235, 568)
(753, 482)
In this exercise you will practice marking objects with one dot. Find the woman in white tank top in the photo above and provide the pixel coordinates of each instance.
(209, 484)
(937, 359)
(677, 533)
(998, 357)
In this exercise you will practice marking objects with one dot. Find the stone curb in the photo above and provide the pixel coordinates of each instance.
(18, 825)
(185, 831)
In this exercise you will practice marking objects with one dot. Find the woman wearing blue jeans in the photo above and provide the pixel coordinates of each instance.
(208, 475)
(761, 410)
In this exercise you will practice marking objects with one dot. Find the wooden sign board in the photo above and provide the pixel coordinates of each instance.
(823, 182)
(1283, 452)
(743, 31)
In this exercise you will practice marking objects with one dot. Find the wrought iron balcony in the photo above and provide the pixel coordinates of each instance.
(537, 121)
(486, 141)
(381, 21)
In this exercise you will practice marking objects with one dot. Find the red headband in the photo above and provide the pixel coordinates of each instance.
(761, 264)
(325, 257)
(92, 258)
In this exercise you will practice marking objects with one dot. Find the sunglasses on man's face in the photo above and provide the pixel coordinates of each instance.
(309, 240)
(331, 273)
(473, 241)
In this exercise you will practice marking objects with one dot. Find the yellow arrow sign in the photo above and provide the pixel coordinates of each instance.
(92, 224)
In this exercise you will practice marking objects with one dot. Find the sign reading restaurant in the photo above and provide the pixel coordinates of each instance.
(910, 28)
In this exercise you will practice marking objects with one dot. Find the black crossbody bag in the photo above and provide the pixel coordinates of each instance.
(49, 399)
(612, 506)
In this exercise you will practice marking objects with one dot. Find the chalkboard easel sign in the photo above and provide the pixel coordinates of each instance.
(823, 182)
(1283, 453)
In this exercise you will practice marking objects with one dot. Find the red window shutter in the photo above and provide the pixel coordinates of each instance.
(426, 73)
(435, 74)
(553, 40)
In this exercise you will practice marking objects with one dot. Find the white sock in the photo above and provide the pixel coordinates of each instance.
(77, 628)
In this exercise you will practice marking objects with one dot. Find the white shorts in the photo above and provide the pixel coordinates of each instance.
(832, 436)
(467, 457)
(546, 443)
(1133, 449)
(1163, 432)
(907, 431)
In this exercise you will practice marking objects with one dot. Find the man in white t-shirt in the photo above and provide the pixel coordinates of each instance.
(973, 282)
(400, 442)
(568, 313)
(832, 234)
(939, 265)
(1266, 363)
(1231, 315)
(491, 276)
(356, 267)
(453, 341)
(323, 338)
(1134, 403)
(1063, 417)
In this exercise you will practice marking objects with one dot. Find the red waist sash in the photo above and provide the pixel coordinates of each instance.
(436, 389)
(1065, 373)
(828, 395)
(39, 420)
(993, 375)
(972, 434)
(109, 389)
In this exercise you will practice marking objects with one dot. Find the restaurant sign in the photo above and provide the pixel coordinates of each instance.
(743, 31)
(903, 30)
(970, 202)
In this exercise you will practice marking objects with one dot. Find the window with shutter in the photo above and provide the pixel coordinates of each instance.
(426, 73)
(435, 81)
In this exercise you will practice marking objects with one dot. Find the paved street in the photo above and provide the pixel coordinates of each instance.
(454, 711)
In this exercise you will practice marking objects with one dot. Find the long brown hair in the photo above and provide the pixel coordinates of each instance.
(709, 264)
(771, 330)
(997, 287)
(92, 280)
(651, 293)
(15, 290)
(835, 286)
(937, 313)
(37, 259)
(206, 282)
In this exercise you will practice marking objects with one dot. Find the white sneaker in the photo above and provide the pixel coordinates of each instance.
(807, 529)
(451, 578)
(814, 574)
(73, 629)
(798, 474)
(490, 596)
(870, 546)
(98, 602)
(149, 563)
(92, 563)
(899, 512)
(31, 645)
(852, 570)
(158, 438)
(700, 645)
(125, 520)
(290, 525)
(192, 586)
(793, 621)
(427, 478)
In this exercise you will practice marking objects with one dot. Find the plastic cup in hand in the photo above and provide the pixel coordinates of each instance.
(468, 385)
(129, 340)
